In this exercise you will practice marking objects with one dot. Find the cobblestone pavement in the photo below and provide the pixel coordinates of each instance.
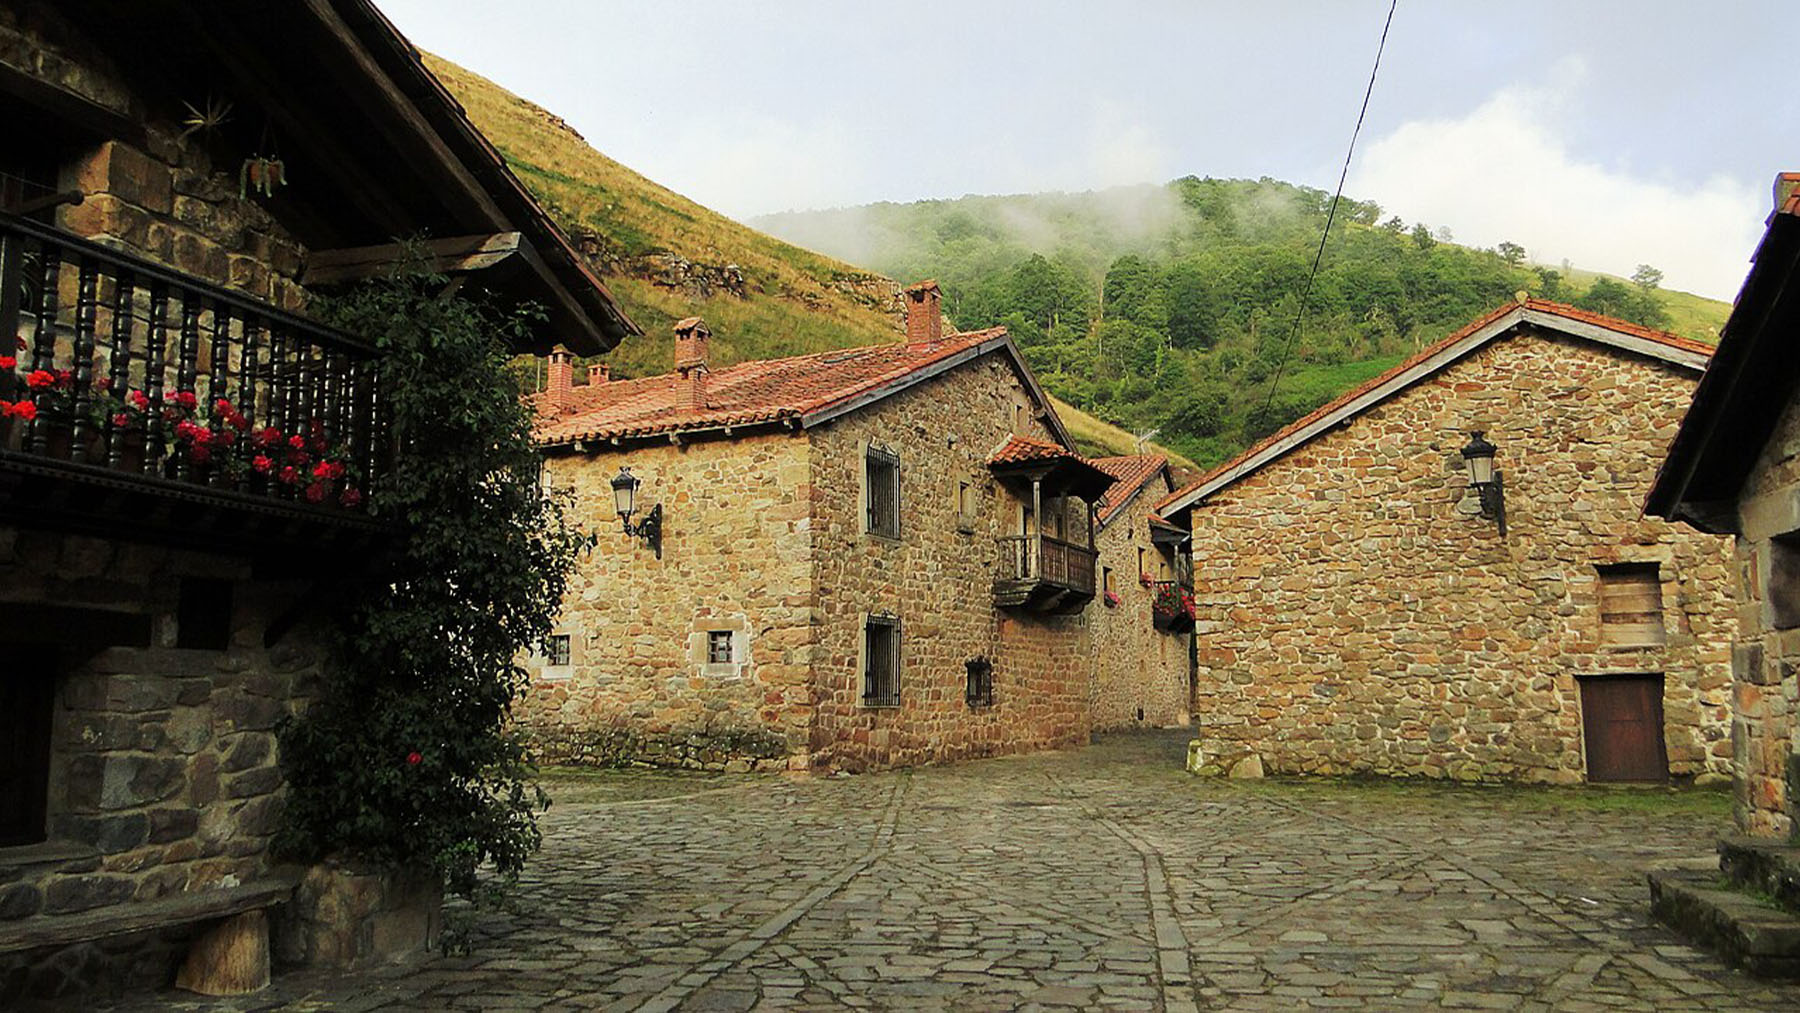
(1103, 878)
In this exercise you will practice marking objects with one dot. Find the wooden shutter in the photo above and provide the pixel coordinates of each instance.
(1631, 606)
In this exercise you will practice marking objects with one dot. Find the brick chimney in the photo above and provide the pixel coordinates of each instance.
(690, 361)
(924, 320)
(599, 374)
(560, 379)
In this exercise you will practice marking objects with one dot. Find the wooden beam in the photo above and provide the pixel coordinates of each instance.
(65, 108)
(443, 256)
(124, 919)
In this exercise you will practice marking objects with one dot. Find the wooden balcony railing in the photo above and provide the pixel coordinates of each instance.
(1047, 560)
(125, 369)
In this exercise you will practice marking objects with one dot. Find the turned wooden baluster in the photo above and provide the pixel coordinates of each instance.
(43, 344)
(119, 373)
(218, 386)
(155, 365)
(246, 395)
(187, 365)
(81, 399)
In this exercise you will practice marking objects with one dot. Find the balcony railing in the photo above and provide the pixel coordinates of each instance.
(1044, 573)
(125, 371)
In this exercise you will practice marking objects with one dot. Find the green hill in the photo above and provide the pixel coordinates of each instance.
(666, 257)
(1171, 307)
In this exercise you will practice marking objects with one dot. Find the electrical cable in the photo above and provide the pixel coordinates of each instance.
(1330, 214)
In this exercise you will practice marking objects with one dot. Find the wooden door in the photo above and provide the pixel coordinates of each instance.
(1622, 723)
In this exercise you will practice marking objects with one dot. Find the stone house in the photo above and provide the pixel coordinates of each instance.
(1362, 606)
(870, 557)
(1734, 468)
(1141, 636)
(156, 600)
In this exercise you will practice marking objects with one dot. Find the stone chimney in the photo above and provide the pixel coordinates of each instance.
(1785, 185)
(599, 373)
(924, 320)
(560, 379)
(690, 361)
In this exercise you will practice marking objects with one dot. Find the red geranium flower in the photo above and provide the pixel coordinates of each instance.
(289, 476)
(201, 453)
(238, 421)
(268, 436)
(65, 378)
(222, 406)
(262, 464)
(103, 383)
(120, 420)
(185, 399)
(138, 400)
(351, 497)
(297, 442)
(23, 410)
(38, 379)
(8, 362)
(315, 493)
(413, 758)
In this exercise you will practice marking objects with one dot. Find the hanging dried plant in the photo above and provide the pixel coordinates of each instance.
(262, 175)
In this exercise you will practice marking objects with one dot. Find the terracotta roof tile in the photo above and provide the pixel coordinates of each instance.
(1130, 473)
(748, 393)
(1021, 449)
(1564, 310)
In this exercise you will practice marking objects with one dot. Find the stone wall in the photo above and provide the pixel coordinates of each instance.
(736, 556)
(1357, 614)
(165, 772)
(1135, 667)
(1766, 660)
(166, 200)
(938, 579)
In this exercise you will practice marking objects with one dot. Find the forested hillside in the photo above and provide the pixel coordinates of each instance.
(1171, 308)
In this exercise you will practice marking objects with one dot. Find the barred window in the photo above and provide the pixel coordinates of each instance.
(882, 480)
(881, 661)
(718, 647)
(980, 690)
(556, 649)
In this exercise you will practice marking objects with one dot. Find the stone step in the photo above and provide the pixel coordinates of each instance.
(1763, 866)
(1744, 931)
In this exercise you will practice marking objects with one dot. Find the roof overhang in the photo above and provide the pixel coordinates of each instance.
(1754, 378)
(1425, 367)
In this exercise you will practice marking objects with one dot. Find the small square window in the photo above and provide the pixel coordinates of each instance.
(980, 688)
(556, 649)
(881, 662)
(1631, 605)
(1106, 580)
(718, 647)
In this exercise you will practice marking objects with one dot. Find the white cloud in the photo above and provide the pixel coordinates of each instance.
(1506, 172)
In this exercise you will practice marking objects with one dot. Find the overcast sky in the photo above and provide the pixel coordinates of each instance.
(1605, 133)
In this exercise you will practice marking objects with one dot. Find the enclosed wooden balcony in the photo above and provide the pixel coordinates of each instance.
(1172, 606)
(136, 401)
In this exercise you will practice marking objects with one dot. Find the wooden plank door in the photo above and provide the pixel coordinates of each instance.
(1622, 724)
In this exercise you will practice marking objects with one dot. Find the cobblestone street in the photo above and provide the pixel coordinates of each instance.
(1100, 878)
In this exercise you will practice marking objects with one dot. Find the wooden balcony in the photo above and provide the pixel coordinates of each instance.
(1044, 574)
(147, 404)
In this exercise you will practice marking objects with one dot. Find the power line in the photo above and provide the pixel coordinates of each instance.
(1330, 214)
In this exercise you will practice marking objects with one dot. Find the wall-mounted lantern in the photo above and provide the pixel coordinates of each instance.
(624, 487)
(1487, 483)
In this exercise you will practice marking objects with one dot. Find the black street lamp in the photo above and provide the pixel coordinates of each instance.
(624, 487)
(1487, 483)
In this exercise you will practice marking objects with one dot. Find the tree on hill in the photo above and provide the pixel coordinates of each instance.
(1646, 277)
(1512, 253)
(1616, 300)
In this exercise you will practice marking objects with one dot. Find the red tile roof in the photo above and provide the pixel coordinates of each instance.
(1674, 341)
(746, 394)
(1130, 473)
(1022, 449)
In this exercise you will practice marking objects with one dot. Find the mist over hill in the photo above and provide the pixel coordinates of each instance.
(1171, 308)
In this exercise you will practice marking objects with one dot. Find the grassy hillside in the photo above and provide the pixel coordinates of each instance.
(789, 301)
(1174, 307)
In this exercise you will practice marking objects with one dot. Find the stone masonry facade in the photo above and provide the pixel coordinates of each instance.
(1766, 659)
(764, 544)
(1356, 613)
(165, 774)
(1139, 673)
